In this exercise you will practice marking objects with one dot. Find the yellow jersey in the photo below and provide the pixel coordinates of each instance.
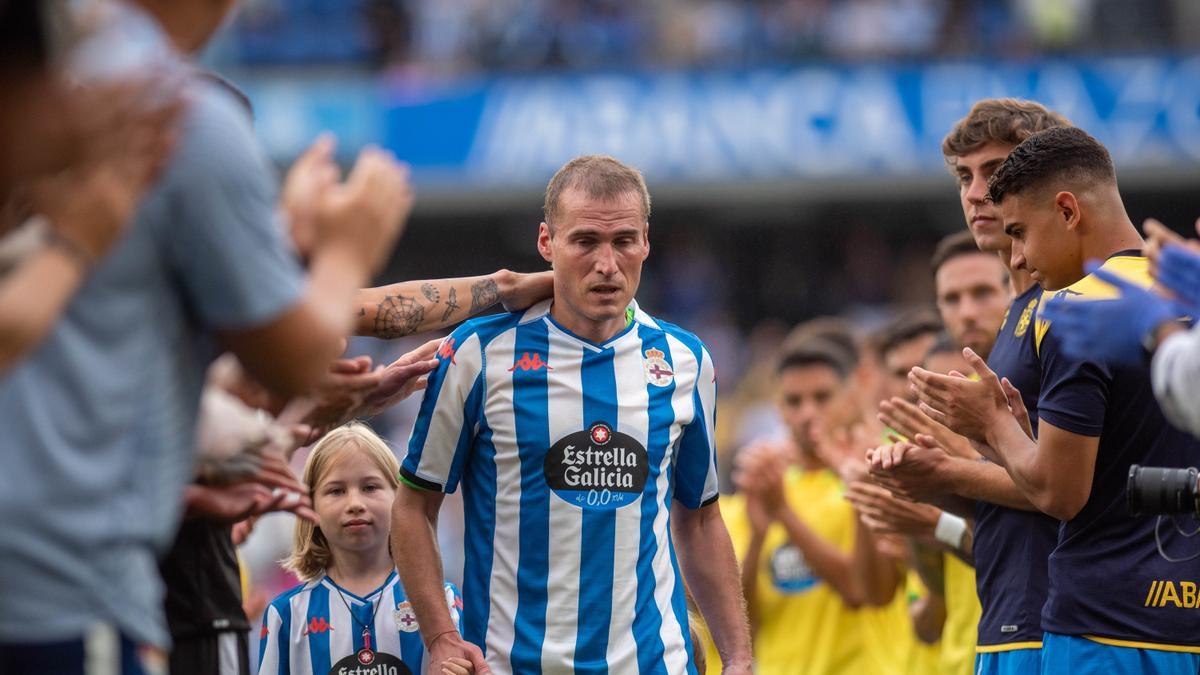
(923, 658)
(804, 627)
(962, 617)
(891, 639)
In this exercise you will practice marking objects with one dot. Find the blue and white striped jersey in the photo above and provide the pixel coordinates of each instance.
(308, 630)
(570, 455)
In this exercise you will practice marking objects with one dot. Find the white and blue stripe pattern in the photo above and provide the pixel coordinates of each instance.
(308, 629)
(552, 585)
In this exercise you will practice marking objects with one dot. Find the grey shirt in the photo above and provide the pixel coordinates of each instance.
(96, 425)
(1175, 373)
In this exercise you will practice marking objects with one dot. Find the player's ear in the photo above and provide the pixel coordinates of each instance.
(646, 240)
(543, 243)
(1068, 209)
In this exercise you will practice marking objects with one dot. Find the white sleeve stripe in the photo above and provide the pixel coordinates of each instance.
(269, 663)
(438, 450)
(707, 385)
(698, 377)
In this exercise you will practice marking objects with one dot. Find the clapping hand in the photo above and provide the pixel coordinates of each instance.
(908, 419)
(912, 470)
(967, 407)
(885, 513)
(759, 475)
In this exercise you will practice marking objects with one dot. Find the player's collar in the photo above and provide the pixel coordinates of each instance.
(537, 311)
(633, 312)
(350, 594)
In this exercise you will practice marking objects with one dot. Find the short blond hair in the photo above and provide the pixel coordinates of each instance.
(599, 177)
(311, 555)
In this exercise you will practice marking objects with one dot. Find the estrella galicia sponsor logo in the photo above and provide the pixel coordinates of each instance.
(790, 571)
(1168, 593)
(597, 468)
(381, 664)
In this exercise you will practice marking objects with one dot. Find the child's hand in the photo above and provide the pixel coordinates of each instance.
(457, 666)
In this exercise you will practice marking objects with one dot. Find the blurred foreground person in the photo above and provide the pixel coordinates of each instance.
(1175, 264)
(76, 163)
(99, 421)
(243, 473)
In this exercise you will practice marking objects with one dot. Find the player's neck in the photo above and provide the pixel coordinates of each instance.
(361, 572)
(597, 332)
(1111, 238)
(807, 460)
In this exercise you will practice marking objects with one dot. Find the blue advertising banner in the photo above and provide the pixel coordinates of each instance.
(825, 121)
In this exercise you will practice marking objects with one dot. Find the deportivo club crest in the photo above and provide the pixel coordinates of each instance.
(406, 618)
(658, 371)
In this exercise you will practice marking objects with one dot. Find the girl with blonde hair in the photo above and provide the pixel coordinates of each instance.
(350, 610)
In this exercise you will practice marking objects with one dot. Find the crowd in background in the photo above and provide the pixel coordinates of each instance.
(443, 37)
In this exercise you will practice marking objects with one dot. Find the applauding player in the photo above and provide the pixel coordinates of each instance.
(1057, 194)
(1012, 540)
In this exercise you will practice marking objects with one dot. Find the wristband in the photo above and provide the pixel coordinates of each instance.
(950, 530)
(429, 645)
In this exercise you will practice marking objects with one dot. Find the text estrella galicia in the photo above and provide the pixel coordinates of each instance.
(597, 468)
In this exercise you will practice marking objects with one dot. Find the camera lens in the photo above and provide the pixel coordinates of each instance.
(1154, 491)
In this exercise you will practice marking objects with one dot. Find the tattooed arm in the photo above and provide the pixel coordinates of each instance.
(413, 307)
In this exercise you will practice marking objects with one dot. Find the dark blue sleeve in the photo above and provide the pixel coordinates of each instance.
(1074, 393)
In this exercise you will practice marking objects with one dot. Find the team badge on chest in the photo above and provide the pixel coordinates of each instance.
(406, 618)
(658, 371)
(1026, 318)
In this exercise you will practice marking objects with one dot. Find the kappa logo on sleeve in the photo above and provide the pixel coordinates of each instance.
(446, 351)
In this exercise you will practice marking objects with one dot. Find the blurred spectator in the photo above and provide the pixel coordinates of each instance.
(446, 37)
(103, 412)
